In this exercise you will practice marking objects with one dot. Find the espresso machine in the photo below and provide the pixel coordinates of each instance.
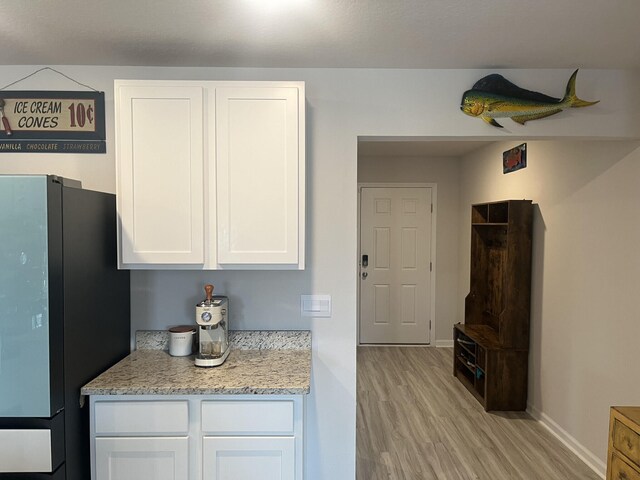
(212, 316)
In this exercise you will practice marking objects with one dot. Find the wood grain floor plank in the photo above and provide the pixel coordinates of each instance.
(415, 421)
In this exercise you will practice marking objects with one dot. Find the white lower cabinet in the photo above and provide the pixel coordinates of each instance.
(197, 437)
(150, 458)
(248, 458)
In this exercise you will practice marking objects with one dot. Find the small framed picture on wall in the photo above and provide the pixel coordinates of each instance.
(514, 159)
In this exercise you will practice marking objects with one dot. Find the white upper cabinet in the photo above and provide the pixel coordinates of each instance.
(257, 152)
(211, 175)
(160, 171)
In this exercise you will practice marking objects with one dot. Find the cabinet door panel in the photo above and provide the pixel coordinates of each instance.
(160, 174)
(248, 458)
(257, 154)
(151, 458)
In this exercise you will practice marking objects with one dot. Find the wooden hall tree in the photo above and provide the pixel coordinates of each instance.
(491, 348)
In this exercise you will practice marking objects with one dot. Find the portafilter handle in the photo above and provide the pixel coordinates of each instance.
(208, 289)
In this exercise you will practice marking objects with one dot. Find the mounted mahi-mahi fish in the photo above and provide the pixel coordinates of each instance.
(494, 97)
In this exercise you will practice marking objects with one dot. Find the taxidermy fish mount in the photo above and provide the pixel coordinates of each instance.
(494, 97)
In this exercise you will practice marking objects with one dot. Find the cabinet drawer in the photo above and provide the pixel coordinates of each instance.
(626, 441)
(248, 417)
(125, 418)
(620, 470)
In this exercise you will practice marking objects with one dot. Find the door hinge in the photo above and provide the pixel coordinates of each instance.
(431, 266)
(429, 324)
(432, 208)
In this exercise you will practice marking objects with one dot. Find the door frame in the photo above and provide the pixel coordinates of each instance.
(432, 253)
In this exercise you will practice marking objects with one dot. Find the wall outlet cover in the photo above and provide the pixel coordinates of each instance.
(315, 305)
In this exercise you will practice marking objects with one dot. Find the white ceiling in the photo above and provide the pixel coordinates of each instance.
(323, 33)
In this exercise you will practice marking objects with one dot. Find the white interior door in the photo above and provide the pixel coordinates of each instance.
(395, 284)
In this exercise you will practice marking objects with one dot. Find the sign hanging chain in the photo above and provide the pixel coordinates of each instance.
(53, 70)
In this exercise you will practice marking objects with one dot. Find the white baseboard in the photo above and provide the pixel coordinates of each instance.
(593, 462)
(444, 343)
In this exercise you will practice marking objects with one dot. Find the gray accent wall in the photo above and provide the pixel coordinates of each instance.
(343, 104)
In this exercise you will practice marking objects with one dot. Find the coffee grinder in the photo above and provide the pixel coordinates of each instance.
(213, 333)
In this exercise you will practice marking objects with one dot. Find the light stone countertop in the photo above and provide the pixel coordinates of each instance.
(258, 371)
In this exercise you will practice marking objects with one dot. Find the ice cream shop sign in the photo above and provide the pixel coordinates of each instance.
(52, 122)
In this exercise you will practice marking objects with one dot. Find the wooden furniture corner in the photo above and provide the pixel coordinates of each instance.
(623, 457)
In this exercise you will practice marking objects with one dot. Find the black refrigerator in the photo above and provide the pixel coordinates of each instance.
(64, 319)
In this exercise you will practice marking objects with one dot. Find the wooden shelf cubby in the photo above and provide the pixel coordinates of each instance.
(491, 348)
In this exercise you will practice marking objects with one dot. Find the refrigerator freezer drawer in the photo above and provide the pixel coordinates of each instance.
(25, 451)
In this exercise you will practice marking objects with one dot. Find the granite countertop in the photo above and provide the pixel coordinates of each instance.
(262, 363)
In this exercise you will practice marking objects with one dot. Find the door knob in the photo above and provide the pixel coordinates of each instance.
(365, 274)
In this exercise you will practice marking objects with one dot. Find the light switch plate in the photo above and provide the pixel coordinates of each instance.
(315, 305)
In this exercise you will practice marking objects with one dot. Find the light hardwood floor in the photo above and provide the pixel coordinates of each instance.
(416, 421)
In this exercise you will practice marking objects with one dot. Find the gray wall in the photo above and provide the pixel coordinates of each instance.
(343, 104)
(586, 275)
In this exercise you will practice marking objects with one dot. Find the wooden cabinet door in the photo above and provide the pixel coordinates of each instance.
(141, 458)
(259, 136)
(160, 170)
(248, 458)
